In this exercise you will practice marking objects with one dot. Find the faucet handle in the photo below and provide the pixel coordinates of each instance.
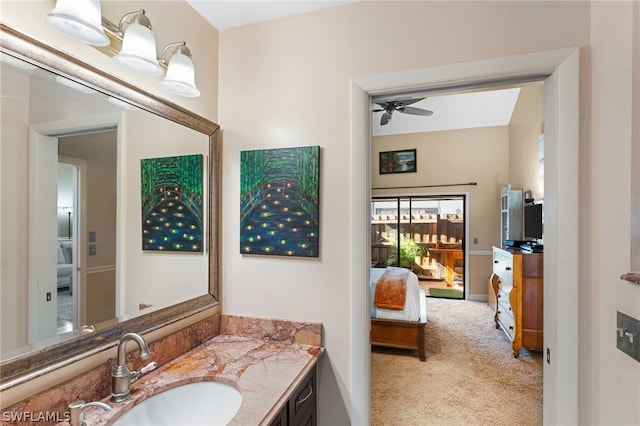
(77, 410)
(135, 375)
(149, 367)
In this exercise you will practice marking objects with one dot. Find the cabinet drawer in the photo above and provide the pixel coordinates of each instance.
(302, 405)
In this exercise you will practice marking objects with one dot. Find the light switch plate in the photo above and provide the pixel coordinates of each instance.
(628, 335)
(92, 249)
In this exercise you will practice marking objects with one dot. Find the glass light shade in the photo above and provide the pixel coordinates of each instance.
(81, 19)
(139, 50)
(180, 78)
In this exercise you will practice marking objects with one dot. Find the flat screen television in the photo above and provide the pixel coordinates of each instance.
(533, 222)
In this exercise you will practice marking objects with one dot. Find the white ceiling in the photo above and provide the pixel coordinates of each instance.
(225, 14)
(451, 111)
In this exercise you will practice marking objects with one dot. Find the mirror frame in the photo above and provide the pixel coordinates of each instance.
(33, 364)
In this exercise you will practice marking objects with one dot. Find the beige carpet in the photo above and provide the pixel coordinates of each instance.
(470, 376)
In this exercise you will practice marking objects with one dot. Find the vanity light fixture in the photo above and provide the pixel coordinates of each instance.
(132, 44)
(81, 19)
(138, 50)
(180, 78)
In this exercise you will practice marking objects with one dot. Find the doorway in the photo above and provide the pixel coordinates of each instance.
(561, 71)
(67, 243)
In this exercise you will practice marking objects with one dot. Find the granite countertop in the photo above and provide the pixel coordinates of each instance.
(264, 371)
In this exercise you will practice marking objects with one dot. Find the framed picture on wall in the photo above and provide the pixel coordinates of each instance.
(172, 209)
(398, 161)
(280, 202)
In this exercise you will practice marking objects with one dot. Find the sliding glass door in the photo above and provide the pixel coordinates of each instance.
(424, 234)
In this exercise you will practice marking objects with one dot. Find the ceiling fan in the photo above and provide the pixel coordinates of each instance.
(400, 106)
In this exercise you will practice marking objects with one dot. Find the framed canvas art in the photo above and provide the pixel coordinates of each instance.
(398, 161)
(279, 201)
(171, 190)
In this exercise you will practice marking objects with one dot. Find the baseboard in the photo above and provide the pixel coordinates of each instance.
(478, 298)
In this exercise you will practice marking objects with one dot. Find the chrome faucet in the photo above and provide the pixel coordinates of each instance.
(77, 411)
(121, 377)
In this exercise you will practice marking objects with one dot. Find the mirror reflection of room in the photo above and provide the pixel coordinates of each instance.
(91, 159)
(67, 309)
(64, 143)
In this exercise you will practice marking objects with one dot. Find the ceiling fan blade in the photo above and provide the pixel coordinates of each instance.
(385, 118)
(416, 111)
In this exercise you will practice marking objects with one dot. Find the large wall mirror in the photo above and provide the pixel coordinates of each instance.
(85, 187)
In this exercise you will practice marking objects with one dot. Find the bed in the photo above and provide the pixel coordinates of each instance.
(399, 328)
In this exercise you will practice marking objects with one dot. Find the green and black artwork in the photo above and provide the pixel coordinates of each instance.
(172, 203)
(279, 201)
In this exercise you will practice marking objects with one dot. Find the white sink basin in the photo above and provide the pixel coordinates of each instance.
(201, 403)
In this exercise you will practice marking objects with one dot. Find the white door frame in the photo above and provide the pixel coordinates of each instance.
(561, 70)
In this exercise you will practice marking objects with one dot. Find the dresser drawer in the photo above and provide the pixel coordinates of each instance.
(502, 266)
(503, 292)
(505, 307)
(505, 318)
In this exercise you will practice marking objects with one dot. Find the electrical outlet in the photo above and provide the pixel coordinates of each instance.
(92, 236)
(548, 356)
(48, 296)
(628, 335)
(475, 240)
(92, 249)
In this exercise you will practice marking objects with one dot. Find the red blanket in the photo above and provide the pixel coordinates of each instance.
(391, 289)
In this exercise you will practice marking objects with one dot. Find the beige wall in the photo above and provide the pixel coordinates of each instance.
(605, 187)
(478, 155)
(524, 129)
(14, 223)
(287, 83)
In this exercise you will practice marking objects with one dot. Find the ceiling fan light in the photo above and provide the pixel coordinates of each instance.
(81, 19)
(180, 78)
(139, 50)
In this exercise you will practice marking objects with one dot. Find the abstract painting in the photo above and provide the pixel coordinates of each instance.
(171, 190)
(279, 201)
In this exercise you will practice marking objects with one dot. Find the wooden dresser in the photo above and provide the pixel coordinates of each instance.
(517, 283)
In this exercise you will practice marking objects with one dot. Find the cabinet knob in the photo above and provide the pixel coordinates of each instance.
(508, 268)
(510, 327)
(495, 261)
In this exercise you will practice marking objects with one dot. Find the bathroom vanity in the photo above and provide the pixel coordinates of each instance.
(276, 378)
